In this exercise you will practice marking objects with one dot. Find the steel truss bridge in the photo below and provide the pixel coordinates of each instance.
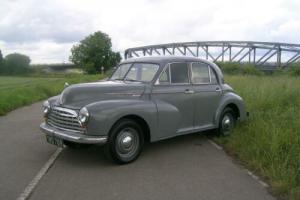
(261, 54)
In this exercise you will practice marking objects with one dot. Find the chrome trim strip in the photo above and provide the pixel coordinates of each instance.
(117, 93)
(73, 137)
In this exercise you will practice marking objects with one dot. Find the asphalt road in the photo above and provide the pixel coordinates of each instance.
(187, 167)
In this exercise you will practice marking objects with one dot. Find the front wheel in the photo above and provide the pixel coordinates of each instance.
(227, 122)
(125, 141)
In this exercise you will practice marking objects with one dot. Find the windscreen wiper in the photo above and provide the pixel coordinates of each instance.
(133, 80)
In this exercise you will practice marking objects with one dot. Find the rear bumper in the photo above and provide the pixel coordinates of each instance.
(72, 137)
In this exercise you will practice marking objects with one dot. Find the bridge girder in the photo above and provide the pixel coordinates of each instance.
(257, 53)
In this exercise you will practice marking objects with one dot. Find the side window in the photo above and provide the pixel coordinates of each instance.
(165, 76)
(179, 73)
(213, 76)
(200, 73)
(203, 73)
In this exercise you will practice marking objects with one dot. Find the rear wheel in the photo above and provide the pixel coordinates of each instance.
(125, 141)
(227, 122)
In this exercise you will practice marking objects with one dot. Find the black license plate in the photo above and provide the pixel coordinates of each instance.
(54, 140)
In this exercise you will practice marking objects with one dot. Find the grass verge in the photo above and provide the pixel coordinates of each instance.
(269, 142)
(19, 91)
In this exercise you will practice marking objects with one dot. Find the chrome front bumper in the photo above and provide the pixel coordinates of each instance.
(73, 137)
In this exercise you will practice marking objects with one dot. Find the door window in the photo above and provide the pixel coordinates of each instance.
(179, 73)
(213, 77)
(203, 74)
(200, 73)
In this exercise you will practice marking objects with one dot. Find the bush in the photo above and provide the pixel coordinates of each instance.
(250, 69)
(229, 67)
(294, 69)
(234, 68)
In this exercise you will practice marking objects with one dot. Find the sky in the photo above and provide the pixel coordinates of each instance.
(46, 30)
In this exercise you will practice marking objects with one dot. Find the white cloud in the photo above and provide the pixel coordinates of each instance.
(46, 32)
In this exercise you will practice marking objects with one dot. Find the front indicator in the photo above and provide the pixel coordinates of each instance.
(83, 116)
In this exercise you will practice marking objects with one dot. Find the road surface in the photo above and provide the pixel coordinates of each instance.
(186, 167)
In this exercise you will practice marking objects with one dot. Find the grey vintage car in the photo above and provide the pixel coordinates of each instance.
(145, 100)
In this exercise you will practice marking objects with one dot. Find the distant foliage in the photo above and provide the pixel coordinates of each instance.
(56, 68)
(1, 57)
(294, 69)
(1, 62)
(234, 68)
(94, 52)
(15, 64)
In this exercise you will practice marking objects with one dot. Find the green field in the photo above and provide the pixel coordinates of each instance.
(20, 91)
(269, 142)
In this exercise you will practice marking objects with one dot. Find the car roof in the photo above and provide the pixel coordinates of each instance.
(164, 59)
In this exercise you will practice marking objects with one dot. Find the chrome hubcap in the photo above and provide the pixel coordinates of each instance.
(127, 142)
(227, 124)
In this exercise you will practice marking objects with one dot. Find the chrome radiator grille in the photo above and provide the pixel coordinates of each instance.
(65, 119)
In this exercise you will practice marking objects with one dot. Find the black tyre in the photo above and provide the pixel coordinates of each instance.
(227, 122)
(125, 143)
(73, 145)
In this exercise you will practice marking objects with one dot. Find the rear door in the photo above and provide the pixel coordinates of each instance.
(173, 95)
(207, 94)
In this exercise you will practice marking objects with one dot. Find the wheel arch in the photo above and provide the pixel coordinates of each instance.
(234, 102)
(235, 109)
(141, 121)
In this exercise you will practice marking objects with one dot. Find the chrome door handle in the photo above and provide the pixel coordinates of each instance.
(189, 91)
(218, 89)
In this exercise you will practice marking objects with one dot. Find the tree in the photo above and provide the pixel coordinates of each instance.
(94, 52)
(16, 63)
(1, 62)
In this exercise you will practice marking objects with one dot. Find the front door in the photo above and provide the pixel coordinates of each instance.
(173, 95)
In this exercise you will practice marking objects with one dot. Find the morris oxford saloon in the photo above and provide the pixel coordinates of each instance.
(145, 100)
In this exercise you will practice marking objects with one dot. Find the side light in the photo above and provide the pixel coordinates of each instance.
(46, 108)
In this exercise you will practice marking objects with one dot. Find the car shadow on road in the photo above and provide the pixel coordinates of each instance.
(97, 156)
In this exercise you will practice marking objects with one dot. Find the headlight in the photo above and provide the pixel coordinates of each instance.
(83, 116)
(46, 108)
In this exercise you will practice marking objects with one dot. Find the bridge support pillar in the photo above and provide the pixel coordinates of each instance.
(279, 58)
(229, 53)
